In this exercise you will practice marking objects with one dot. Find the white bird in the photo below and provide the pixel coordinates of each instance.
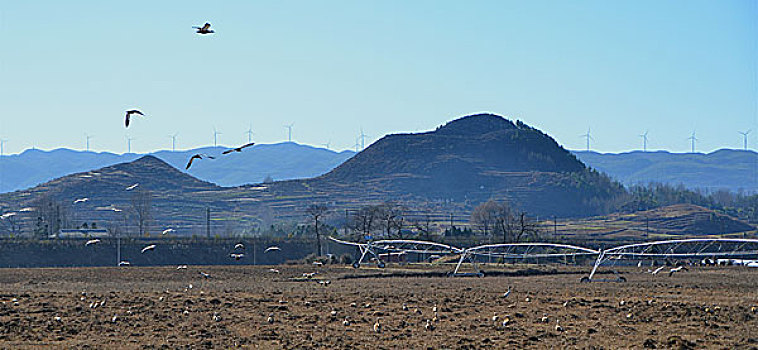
(7, 215)
(132, 187)
(81, 200)
(124, 263)
(273, 270)
(655, 272)
(346, 322)
(309, 275)
(318, 263)
(639, 264)
(239, 246)
(205, 275)
(377, 326)
(237, 256)
(181, 267)
(150, 247)
(216, 317)
(507, 292)
(23, 210)
(558, 327)
(114, 319)
(271, 249)
(91, 242)
(167, 231)
(494, 317)
(676, 269)
(429, 326)
(324, 282)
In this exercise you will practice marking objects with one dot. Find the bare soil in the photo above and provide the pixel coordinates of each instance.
(154, 307)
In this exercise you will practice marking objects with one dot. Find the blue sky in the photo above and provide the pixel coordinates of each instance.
(333, 67)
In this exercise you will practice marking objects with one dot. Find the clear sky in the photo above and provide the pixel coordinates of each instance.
(70, 68)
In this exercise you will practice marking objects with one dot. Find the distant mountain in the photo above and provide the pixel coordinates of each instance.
(282, 161)
(723, 169)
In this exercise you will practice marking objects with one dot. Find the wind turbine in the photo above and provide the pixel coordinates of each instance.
(362, 137)
(692, 138)
(289, 132)
(2, 146)
(215, 136)
(588, 137)
(173, 141)
(249, 133)
(644, 141)
(129, 144)
(744, 136)
(88, 137)
(2, 151)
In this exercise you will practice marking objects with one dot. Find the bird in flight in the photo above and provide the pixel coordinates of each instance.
(132, 187)
(205, 29)
(129, 114)
(238, 149)
(81, 200)
(198, 156)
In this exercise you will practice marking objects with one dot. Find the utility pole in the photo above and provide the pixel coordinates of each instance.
(208, 222)
(555, 226)
(346, 220)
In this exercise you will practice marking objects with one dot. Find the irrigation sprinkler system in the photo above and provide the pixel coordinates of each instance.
(699, 248)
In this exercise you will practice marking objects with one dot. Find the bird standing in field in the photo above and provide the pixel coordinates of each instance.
(198, 156)
(377, 326)
(507, 292)
(238, 149)
(129, 115)
(676, 269)
(205, 29)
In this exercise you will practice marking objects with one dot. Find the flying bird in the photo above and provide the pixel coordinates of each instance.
(181, 267)
(239, 246)
(238, 149)
(271, 249)
(205, 29)
(205, 275)
(124, 263)
(655, 272)
(91, 242)
(81, 200)
(167, 231)
(26, 209)
(129, 115)
(132, 187)
(237, 256)
(7, 215)
(150, 247)
(198, 156)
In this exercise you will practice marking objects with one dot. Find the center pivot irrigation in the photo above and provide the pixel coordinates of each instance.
(698, 248)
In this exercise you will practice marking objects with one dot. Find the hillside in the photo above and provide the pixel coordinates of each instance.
(734, 170)
(446, 171)
(473, 159)
(669, 222)
(282, 161)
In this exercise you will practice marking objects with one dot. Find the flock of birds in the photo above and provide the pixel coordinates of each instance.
(204, 30)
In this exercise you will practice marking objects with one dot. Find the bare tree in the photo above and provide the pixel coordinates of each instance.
(141, 202)
(364, 220)
(423, 225)
(526, 227)
(51, 216)
(316, 212)
(484, 216)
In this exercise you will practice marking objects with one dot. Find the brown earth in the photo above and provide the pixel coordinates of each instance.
(155, 308)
